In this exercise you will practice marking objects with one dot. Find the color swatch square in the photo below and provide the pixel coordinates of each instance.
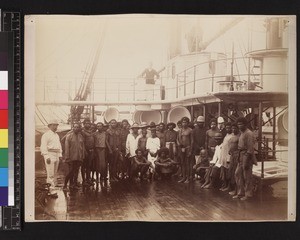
(3, 157)
(3, 99)
(3, 138)
(3, 177)
(3, 118)
(3, 196)
(3, 80)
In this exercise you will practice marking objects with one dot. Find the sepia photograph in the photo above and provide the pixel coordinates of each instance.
(149, 117)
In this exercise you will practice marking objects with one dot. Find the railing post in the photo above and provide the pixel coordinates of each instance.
(260, 131)
(274, 132)
(184, 88)
(194, 79)
(263, 159)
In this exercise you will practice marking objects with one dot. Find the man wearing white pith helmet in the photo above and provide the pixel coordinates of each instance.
(221, 126)
(52, 152)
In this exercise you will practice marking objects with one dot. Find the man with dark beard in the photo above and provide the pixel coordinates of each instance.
(74, 155)
(114, 141)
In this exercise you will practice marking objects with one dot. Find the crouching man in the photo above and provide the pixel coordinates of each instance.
(202, 163)
(164, 165)
(140, 165)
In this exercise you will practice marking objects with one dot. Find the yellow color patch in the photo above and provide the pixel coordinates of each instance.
(3, 138)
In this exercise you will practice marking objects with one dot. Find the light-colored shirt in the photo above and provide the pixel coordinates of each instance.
(225, 157)
(153, 144)
(50, 143)
(217, 156)
(131, 144)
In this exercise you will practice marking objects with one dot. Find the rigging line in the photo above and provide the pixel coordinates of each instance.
(85, 77)
(237, 69)
(39, 119)
(84, 35)
(244, 60)
(41, 114)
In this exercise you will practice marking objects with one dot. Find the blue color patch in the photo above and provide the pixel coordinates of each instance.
(3, 177)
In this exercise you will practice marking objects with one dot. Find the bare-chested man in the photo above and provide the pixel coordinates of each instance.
(185, 142)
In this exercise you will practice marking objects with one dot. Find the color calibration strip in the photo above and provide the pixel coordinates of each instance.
(10, 215)
(6, 136)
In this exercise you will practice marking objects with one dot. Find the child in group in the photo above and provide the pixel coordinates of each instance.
(164, 165)
(202, 163)
(140, 165)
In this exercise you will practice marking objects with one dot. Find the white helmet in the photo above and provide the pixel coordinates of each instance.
(220, 120)
(200, 119)
(53, 121)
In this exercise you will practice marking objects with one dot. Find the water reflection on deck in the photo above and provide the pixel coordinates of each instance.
(162, 201)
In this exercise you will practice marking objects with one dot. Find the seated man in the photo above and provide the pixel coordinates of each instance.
(202, 163)
(212, 175)
(140, 165)
(164, 165)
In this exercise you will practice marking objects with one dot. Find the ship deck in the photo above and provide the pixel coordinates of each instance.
(164, 200)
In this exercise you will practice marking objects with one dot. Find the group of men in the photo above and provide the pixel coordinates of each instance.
(221, 156)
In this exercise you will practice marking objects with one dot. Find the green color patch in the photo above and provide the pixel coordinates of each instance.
(3, 157)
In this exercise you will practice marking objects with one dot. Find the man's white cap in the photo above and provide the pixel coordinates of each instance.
(220, 120)
(200, 119)
(53, 121)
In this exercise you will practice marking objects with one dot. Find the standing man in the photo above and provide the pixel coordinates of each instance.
(89, 143)
(132, 144)
(185, 143)
(74, 155)
(124, 131)
(170, 139)
(114, 142)
(161, 134)
(221, 126)
(225, 158)
(199, 135)
(51, 150)
(246, 160)
(149, 74)
(210, 138)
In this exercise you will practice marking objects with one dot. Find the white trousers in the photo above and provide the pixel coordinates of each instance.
(51, 169)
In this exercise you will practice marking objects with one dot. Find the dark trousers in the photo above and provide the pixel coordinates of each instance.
(101, 162)
(243, 176)
(73, 172)
(113, 162)
(87, 164)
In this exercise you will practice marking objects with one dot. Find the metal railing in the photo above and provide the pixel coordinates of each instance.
(203, 78)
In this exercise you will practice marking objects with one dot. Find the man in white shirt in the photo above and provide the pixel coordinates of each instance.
(132, 144)
(52, 152)
(213, 173)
